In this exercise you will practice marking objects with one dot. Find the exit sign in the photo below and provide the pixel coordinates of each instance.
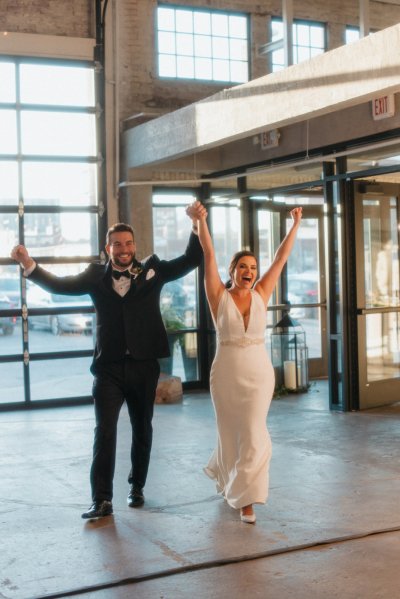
(383, 107)
(270, 139)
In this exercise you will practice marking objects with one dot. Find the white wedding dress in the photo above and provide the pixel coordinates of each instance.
(242, 384)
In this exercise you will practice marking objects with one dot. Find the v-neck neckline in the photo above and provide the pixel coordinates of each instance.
(239, 312)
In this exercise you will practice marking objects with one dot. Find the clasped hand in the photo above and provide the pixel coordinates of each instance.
(196, 211)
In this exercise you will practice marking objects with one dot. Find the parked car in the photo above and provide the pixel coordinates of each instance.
(7, 323)
(305, 286)
(9, 286)
(59, 323)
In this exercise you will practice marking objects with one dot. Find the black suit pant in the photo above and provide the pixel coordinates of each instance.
(133, 381)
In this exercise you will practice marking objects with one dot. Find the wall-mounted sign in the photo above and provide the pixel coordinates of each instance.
(270, 139)
(383, 107)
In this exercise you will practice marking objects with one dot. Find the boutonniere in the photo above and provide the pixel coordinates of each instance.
(136, 270)
(150, 274)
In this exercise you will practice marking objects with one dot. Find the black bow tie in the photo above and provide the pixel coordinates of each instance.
(117, 274)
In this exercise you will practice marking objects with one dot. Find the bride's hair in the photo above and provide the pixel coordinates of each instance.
(235, 259)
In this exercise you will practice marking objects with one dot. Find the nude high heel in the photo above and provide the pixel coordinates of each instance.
(249, 518)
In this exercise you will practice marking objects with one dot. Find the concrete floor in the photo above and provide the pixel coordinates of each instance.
(331, 527)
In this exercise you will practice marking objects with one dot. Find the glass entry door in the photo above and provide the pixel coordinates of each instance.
(302, 284)
(305, 289)
(378, 302)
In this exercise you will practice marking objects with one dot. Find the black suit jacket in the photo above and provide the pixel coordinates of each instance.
(131, 322)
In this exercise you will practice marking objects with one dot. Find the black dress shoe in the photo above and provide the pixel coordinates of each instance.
(135, 497)
(99, 509)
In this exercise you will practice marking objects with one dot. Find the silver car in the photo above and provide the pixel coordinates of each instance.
(60, 323)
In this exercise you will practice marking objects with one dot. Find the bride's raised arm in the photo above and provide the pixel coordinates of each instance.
(212, 281)
(266, 284)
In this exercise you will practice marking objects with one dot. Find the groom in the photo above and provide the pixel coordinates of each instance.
(130, 337)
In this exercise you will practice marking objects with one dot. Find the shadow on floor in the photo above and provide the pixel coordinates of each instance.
(330, 527)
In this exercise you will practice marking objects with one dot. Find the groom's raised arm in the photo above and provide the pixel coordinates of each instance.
(70, 285)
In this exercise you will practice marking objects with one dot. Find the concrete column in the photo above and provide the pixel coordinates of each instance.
(259, 37)
(287, 14)
(364, 17)
(135, 208)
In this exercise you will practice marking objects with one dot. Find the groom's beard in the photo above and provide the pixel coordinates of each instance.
(126, 262)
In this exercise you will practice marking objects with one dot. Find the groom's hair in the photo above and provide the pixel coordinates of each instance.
(119, 228)
(235, 259)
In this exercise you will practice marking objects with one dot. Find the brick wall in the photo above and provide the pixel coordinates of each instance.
(48, 17)
(131, 61)
(139, 87)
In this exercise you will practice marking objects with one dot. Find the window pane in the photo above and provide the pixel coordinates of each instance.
(302, 54)
(167, 65)
(381, 278)
(383, 346)
(9, 183)
(7, 78)
(166, 19)
(12, 382)
(68, 234)
(278, 57)
(202, 45)
(60, 332)
(265, 233)
(35, 293)
(59, 184)
(220, 47)
(202, 22)
(352, 35)
(312, 328)
(303, 283)
(184, 44)
(177, 199)
(8, 233)
(239, 71)
(178, 302)
(226, 235)
(238, 27)
(276, 30)
(238, 49)
(303, 35)
(317, 37)
(183, 361)
(316, 52)
(10, 330)
(178, 298)
(10, 285)
(70, 133)
(171, 228)
(219, 24)
(202, 34)
(221, 70)
(62, 85)
(203, 68)
(60, 378)
(8, 128)
(166, 42)
(185, 66)
(308, 41)
(58, 133)
(184, 21)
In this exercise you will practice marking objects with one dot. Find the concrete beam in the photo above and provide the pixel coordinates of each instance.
(344, 77)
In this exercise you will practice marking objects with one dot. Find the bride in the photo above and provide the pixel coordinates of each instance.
(242, 376)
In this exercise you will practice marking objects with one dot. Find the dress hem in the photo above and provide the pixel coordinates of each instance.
(211, 474)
